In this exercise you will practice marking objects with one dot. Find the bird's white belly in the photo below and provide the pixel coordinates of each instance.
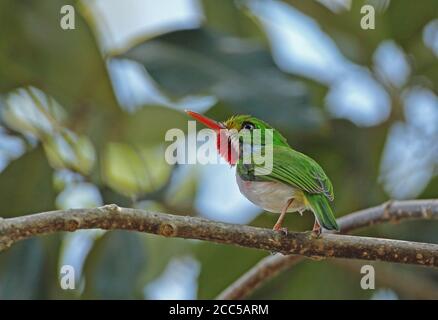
(271, 196)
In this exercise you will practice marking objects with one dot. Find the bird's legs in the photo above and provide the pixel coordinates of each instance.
(277, 226)
(316, 228)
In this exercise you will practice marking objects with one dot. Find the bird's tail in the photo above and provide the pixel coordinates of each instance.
(322, 210)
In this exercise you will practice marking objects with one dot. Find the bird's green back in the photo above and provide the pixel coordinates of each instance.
(291, 168)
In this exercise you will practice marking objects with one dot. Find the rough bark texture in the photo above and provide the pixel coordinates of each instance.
(328, 245)
(298, 244)
(392, 211)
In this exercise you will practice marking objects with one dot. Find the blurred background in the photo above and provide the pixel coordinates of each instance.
(83, 114)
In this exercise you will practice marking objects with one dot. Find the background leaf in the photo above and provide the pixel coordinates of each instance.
(240, 73)
(113, 266)
(26, 185)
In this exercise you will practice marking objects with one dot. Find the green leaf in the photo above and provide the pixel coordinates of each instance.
(240, 73)
(232, 18)
(148, 125)
(221, 265)
(68, 150)
(133, 171)
(30, 270)
(67, 64)
(406, 20)
(182, 191)
(26, 185)
(160, 251)
(21, 270)
(32, 112)
(113, 266)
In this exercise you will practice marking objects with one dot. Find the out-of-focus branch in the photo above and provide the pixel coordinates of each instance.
(392, 211)
(407, 284)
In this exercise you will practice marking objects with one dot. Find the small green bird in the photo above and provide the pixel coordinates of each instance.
(295, 183)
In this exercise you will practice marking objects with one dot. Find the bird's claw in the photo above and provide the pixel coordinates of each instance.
(316, 232)
(282, 230)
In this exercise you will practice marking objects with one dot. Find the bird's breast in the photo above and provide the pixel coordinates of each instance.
(271, 195)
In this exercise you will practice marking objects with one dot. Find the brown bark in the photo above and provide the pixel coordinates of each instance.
(392, 211)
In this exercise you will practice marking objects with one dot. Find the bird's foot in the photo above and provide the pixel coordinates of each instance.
(280, 229)
(316, 231)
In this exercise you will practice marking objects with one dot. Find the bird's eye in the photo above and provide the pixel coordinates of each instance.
(248, 125)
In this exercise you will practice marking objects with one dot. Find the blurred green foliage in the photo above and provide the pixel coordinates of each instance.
(57, 98)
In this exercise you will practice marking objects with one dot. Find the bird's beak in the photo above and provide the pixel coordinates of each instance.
(212, 124)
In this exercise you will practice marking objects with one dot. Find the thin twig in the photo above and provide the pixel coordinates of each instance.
(392, 211)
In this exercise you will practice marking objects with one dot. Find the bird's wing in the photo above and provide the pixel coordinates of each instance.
(296, 169)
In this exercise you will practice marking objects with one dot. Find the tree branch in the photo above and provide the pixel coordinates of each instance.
(406, 284)
(269, 267)
(328, 245)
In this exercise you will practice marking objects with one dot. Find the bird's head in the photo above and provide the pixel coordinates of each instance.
(228, 130)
